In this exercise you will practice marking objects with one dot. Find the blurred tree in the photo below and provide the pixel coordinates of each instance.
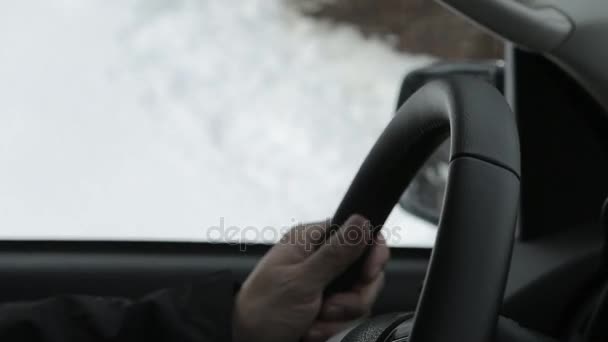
(416, 26)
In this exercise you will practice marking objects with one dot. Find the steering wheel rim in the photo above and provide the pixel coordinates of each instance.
(468, 270)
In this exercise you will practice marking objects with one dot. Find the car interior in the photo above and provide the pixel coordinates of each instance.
(520, 251)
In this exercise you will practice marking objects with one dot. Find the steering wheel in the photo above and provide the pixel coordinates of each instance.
(467, 273)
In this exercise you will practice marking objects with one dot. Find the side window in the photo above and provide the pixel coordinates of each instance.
(177, 120)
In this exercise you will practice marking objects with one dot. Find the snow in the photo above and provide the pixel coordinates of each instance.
(163, 119)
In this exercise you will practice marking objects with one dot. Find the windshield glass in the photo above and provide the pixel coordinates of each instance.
(165, 119)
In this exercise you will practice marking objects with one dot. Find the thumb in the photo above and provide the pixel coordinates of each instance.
(342, 248)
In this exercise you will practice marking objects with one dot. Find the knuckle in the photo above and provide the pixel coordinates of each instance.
(335, 256)
(293, 235)
(335, 251)
(359, 306)
(315, 234)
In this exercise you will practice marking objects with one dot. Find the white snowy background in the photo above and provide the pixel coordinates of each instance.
(158, 119)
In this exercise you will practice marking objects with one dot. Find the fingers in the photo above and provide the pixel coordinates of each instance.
(354, 304)
(376, 260)
(321, 331)
(307, 235)
(343, 248)
(300, 242)
(344, 306)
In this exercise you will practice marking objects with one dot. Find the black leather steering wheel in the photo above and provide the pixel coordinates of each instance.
(468, 270)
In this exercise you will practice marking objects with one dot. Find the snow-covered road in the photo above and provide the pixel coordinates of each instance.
(158, 119)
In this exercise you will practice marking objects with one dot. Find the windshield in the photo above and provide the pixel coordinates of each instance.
(165, 119)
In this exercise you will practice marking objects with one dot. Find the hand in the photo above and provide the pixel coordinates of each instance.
(282, 300)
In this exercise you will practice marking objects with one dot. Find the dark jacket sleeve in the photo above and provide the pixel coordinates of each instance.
(199, 312)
